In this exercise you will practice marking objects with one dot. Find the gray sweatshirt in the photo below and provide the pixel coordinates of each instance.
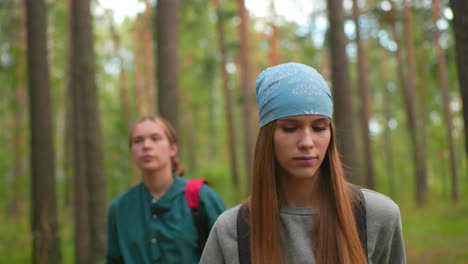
(384, 235)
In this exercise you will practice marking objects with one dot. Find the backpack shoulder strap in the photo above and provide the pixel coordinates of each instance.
(243, 235)
(192, 192)
(359, 211)
(192, 195)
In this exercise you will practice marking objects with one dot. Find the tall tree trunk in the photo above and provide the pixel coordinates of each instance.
(45, 235)
(365, 100)
(420, 156)
(245, 86)
(274, 46)
(167, 50)
(148, 63)
(140, 100)
(408, 98)
(388, 145)
(90, 210)
(19, 122)
(343, 97)
(123, 87)
(460, 25)
(446, 101)
(231, 135)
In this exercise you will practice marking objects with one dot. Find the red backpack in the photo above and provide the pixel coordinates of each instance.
(192, 195)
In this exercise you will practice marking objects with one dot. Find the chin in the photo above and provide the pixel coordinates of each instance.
(303, 174)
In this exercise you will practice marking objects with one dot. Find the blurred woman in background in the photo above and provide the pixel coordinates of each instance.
(151, 222)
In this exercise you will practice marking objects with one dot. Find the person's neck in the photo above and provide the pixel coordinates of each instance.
(299, 192)
(157, 182)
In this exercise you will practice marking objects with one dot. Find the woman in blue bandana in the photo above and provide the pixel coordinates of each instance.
(301, 209)
(152, 221)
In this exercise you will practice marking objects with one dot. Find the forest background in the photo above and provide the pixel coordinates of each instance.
(74, 77)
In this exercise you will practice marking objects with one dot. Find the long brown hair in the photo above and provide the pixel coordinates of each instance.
(171, 134)
(335, 235)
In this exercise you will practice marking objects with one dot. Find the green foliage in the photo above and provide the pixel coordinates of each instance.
(435, 234)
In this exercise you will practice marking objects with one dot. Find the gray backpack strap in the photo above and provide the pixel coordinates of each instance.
(243, 235)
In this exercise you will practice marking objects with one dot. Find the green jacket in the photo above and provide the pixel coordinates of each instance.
(143, 230)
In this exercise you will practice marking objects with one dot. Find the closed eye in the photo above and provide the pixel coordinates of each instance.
(320, 128)
(289, 129)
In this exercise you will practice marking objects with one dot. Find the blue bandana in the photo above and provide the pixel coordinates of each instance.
(292, 89)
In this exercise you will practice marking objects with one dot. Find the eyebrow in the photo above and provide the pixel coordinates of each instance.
(145, 135)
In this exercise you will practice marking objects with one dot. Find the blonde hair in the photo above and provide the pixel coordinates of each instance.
(170, 132)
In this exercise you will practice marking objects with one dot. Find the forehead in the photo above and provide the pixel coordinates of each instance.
(305, 118)
(147, 127)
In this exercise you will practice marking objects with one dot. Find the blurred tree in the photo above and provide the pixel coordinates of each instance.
(365, 101)
(90, 206)
(45, 235)
(123, 82)
(167, 60)
(460, 25)
(387, 113)
(408, 97)
(247, 93)
(344, 109)
(416, 126)
(274, 40)
(228, 108)
(144, 70)
(442, 70)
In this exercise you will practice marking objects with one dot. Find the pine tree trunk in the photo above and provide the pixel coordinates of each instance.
(274, 46)
(388, 144)
(228, 109)
(148, 72)
(343, 98)
(446, 102)
(418, 140)
(247, 95)
(90, 207)
(139, 69)
(365, 102)
(460, 25)
(167, 50)
(45, 235)
(123, 87)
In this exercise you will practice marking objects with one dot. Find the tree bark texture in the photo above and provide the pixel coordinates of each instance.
(343, 98)
(442, 69)
(460, 25)
(167, 60)
(45, 237)
(365, 102)
(228, 109)
(247, 93)
(90, 207)
(420, 160)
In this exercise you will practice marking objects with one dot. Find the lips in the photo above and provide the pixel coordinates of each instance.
(305, 160)
(147, 158)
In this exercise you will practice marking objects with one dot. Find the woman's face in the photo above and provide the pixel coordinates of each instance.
(150, 146)
(301, 143)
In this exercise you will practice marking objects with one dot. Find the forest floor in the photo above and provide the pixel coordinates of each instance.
(436, 234)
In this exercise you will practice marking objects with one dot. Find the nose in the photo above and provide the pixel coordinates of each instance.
(146, 144)
(306, 140)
